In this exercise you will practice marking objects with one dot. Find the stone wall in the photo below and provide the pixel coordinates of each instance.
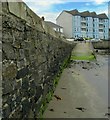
(101, 44)
(33, 56)
(0, 59)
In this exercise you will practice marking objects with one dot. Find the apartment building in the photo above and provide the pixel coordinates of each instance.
(109, 17)
(109, 12)
(84, 24)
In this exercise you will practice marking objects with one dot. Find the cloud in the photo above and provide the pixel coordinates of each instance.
(100, 1)
(43, 10)
(45, 7)
(87, 4)
(48, 2)
(50, 16)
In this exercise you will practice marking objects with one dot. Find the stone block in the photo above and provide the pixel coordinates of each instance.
(39, 92)
(9, 71)
(9, 51)
(31, 114)
(25, 108)
(21, 64)
(18, 96)
(25, 83)
(22, 73)
(21, 52)
(6, 110)
(7, 36)
(7, 87)
(0, 8)
(17, 113)
(18, 9)
(31, 91)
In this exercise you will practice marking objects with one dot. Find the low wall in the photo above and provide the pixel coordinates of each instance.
(101, 45)
(32, 56)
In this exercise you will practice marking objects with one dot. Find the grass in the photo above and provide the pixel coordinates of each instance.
(90, 57)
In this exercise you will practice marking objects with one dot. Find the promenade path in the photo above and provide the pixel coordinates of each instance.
(83, 51)
(82, 89)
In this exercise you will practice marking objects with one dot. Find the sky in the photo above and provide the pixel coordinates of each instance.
(51, 9)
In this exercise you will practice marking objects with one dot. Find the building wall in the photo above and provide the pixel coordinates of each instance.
(106, 28)
(65, 20)
(89, 24)
(109, 34)
(78, 26)
(109, 12)
(95, 27)
(103, 28)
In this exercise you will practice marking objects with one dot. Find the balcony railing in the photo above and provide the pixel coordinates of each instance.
(83, 26)
(83, 21)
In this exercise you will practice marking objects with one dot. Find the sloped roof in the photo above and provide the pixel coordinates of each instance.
(93, 14)
(103, 15)
(53, 24)
(87, 14)
(73, 12)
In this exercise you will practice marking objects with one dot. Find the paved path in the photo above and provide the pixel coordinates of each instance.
(83, 51)
(82, 85)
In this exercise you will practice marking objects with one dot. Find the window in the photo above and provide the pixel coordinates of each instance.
(83, 18)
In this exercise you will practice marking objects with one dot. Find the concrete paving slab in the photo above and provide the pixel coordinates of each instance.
(83, 51)
(85, 85)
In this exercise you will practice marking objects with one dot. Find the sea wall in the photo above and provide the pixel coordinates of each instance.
(101, 44)
(33, 56)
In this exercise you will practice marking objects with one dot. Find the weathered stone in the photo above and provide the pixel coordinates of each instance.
(10, 71)
(31, 114)
(21, 63)
(6, 110)
(9, 51)
(26, 53)
(22, 73)
(18, 97)
(25, 83)
(7, 86)
(31, 91)
(7, 35)
(31, 60)
(17, 44)
(39, 92)
(17, 113)
(25, 108)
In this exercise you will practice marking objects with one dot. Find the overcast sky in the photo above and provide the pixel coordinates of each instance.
(50, 9)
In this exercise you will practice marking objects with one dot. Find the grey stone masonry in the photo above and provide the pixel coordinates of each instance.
(0, 59)
(32, 55)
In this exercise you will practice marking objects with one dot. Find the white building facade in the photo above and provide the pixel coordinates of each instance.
(84, 24)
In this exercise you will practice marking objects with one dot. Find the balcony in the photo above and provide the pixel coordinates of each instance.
(84, 26)
(83, 21)
(101, 30)
(101, 26)
(100, 22)
(83, 29)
